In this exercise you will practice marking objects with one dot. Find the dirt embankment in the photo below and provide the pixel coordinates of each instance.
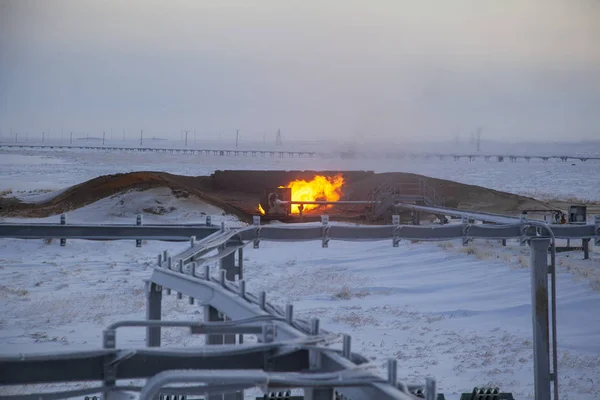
(238, 192)
(95, 189)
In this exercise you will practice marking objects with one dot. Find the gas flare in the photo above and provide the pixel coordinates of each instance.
(260, 210)
(320, 188)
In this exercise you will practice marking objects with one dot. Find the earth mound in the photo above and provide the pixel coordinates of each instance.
(238, 192)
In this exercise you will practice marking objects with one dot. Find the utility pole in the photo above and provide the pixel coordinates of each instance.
(141, 136)
(186, 135)
(62, 134)
(103, 136)
(71, 140)
(278, 140)
(42, 137)
(237, 137)
(478, 138)
(16, 137)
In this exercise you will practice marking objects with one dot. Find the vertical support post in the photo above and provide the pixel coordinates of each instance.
(208, 220)
(396, 223)
(465, 230)
(430, 389)
(153, 312)
(540, 309)
(597, 230)
(314, 358)
(262, 301)
(346, 349)
(240, 266)
(256, 223)
(138, 222)
(63, 221)
(523, 221)
(211, 314)
(392, 371)
(586, 248)
(325, 231)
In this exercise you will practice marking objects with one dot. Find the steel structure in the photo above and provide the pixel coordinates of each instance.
(290, 353)
(311, 154)
(105, 232)
(503, 228)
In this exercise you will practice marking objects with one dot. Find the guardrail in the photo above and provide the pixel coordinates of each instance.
(137, 232)
(505, 228)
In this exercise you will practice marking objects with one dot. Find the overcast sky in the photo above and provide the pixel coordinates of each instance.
(387, 70)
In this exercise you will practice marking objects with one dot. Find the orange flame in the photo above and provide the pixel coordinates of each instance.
(260, 210)
(320, 188)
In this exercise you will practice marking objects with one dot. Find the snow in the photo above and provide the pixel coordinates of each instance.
(158, 206)
(460, 314)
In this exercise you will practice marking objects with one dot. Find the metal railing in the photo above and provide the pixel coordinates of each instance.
(295, 153)
(286, 343)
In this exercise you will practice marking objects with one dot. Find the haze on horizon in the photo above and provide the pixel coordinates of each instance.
(387, 70)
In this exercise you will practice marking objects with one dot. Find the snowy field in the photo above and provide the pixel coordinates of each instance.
(460, 314)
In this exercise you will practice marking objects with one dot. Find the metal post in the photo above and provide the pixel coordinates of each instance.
(240, 266)
(597, 230)
(211, 314)
(153, 312)
(540, 308)
(315, 365)
(586, 248)
(346, 349)
(138, 222)
(63, 221)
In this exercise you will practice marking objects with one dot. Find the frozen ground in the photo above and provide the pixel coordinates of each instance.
(459, 314)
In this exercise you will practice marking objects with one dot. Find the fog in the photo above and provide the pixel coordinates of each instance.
(336, 70)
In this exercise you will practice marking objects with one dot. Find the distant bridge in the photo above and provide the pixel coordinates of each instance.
(304, 154)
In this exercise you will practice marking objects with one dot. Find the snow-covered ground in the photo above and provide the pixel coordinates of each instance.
(459, 314)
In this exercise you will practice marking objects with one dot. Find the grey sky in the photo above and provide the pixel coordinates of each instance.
(316, 69)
